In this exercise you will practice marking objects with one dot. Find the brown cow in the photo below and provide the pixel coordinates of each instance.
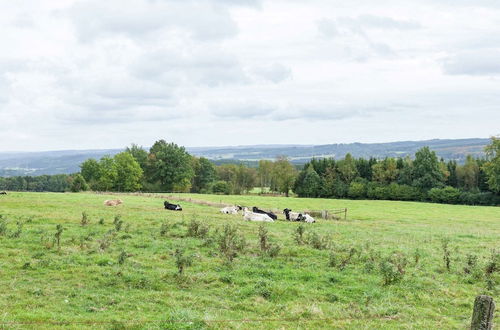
(113, 202)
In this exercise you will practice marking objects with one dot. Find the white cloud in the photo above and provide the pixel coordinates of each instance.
(100, 74)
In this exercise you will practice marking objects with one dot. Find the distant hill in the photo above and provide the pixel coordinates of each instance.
(67, 161)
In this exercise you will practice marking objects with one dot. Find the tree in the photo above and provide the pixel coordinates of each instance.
(311, 184)
(468, 174)
(170, 166)
(492, 166)
(427, 173)
(204, 175)
(284, 173)
(264, 172)
(245, 179)
(89, 170)
(386, 171)
(128, 172)
(78, 183)
(347, 169)
(140, 155)
(107, 174)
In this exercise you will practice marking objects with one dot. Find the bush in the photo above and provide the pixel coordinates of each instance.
(393, 268)
(357, 190)
(401, 192)
(377, 191)
(448, 195)
(221, 187)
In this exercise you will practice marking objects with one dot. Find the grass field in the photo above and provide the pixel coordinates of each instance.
(127, 278)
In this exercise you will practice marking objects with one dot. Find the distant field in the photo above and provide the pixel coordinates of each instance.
(85, 282)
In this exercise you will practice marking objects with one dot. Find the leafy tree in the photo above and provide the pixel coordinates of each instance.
(310, 183)
(107, 174)
(285, 174)
(468, 174)
(347, 169)
(204, 175)
(386, 171)
(140, 155)
(245, 179)
(78, 183)
(89, 169)
(427, 173)
(128, 172)
(492, 166)
(452, 179)
(264, 172)
(170, 166)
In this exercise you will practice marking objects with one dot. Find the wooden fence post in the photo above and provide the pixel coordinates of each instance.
(482, 317)
(345, 214)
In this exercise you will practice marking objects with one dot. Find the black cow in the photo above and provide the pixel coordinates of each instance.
(3, 193)
(273, 216)
(172, 207)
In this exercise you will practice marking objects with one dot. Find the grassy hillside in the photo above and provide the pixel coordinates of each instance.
(340, 286)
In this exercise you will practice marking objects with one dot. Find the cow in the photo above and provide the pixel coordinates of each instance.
(172, 207)
(293, 216)
(3, 193)
(231, 209)
(307, 218)
(113, 202)
(273, 216)
(252, 216)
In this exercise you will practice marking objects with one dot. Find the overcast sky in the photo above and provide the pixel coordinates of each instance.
(105, 74)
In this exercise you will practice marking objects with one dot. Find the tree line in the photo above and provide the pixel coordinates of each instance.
(167, 167)
(423, 178)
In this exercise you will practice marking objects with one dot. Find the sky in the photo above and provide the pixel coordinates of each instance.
(99, 74)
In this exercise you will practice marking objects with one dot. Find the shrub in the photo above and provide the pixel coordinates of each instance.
(393, 268)
(266, 248)
(221, 187)
(446, 252)
(182, 261)
(122, 257)
(197, 229)
(298, 234)
(57, 235)
(230, 242)
(118, 222)
(447, 195)
(101, 221)
(357, 190)
(85, 219)
(319, 242)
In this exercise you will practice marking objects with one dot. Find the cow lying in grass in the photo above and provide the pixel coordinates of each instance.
(295, 216)
(113, 202)
(252, 216)
(3, 193)
(231, 209)
(273, 216)
(172, 207)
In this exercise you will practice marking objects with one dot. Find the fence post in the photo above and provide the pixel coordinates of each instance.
(482, 316)
(345, 214)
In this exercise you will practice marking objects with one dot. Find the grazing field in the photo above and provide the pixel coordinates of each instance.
(117, 267)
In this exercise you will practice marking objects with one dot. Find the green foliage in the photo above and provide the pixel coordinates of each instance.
(447, 195)
(78, 184)
(427, 173)
(230, 242)
(182, 261)
(204, 175)
(357, 190)
(492, 166)
(170, 166)
(128, 172)
(298, 234)
(85, 219)
(393, 268)
(221, 187)
(284, 174)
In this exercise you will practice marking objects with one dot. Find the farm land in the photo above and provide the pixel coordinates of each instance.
(66, 260)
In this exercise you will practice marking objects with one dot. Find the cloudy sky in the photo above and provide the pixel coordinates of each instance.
(104, 74)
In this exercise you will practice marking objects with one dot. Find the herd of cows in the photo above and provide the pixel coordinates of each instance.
(255, 214)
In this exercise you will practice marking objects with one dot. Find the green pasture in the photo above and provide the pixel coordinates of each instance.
(85, 283)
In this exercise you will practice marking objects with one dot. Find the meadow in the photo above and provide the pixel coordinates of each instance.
(66, 260)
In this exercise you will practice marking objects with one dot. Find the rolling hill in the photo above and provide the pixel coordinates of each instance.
(67, 161)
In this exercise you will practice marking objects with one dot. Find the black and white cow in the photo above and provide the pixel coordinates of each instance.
(3, 193)
(172, 207)
(293, 216)
(273, 216)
